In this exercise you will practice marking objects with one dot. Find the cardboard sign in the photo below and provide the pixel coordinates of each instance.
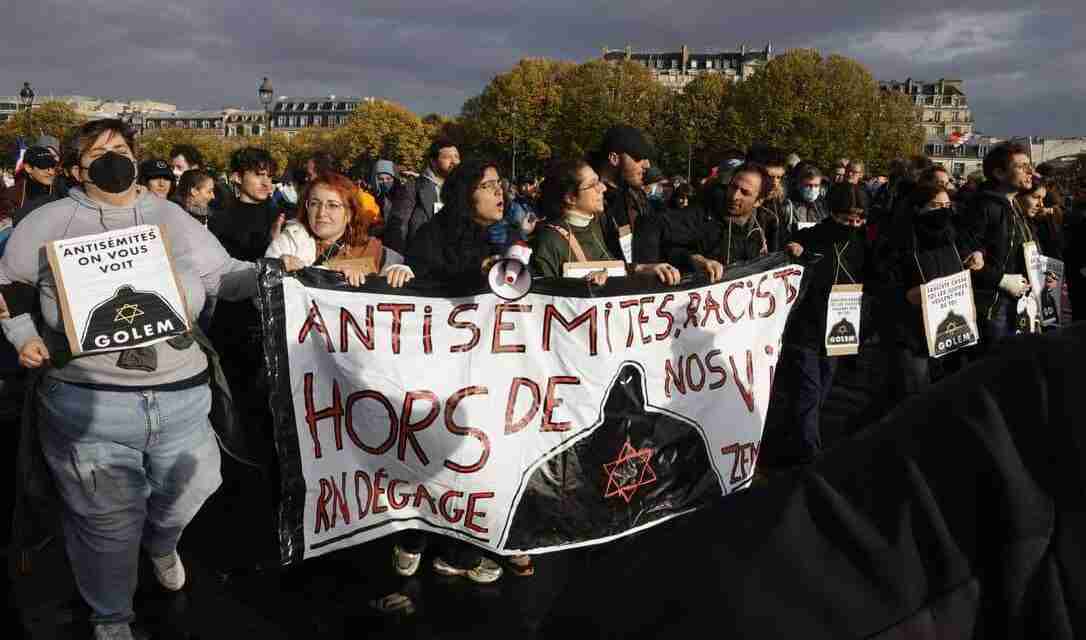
(1053, 312)
(118, 289)
(625, 240)
(1033, 266)
(950, 315)
(843, 320)
(614, 268)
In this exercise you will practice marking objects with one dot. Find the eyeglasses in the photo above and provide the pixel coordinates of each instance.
(492, 185)
(331, 206)
(595, 184)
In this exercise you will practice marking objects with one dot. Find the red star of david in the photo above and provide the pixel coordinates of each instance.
(629, 472)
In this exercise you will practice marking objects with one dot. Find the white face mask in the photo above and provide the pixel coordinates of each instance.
(177, 173)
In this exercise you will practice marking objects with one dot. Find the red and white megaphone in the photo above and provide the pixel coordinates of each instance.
(510, 278)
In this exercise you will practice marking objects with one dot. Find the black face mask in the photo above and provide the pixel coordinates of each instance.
(935, 218)
(111, 172)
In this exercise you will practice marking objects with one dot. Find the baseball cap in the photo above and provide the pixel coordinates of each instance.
(40, 158)
(626, 139)
(155, 169)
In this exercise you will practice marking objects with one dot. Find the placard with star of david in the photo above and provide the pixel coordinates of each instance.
(117, 290)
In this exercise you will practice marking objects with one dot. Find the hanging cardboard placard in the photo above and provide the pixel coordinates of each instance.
(614, 268)
(950, 315)
(1033, 266)
(1053, 314)
(625, 241)
(843, 320)
(118, 289)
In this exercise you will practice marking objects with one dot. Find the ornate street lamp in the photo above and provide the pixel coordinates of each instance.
(26, 96)
(266, 92)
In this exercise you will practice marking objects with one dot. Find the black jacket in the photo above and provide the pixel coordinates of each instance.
(807, 322)
(450, 249)
(623, 206)
(669, 237)
(917, 251)
(727, 242)
(245, 229)
(990, 225)
(26, 194)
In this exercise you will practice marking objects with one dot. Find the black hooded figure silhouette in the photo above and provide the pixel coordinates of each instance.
(130, 319)
(634, 467)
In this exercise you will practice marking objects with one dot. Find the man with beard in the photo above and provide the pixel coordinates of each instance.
(994, 227)
(776, 214)
(621, 162)
(731, 232)
(404, 222)
(35, 185)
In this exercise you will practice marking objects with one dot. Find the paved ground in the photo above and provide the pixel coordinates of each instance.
(229, 595)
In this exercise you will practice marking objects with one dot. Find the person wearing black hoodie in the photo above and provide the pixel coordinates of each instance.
(993, 227)
(805, 372)
(922, 245)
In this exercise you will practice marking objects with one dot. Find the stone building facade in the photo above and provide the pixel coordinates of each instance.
(675, 69)
(292, 114)
(942, 107)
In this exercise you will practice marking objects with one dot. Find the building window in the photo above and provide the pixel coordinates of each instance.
(342, 106)
(693, 64)
(279, 106)
(312, 106)
(281, 121)
(327, 106)
(294, 121)
(674, 64)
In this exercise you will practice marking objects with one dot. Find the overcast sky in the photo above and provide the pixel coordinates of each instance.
(1024, 72)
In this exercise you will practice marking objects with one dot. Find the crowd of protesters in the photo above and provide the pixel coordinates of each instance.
(134, 418)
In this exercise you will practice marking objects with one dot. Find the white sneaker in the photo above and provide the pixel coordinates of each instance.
(117, 631)
(405, 562)
(487, 572)
(169, 571)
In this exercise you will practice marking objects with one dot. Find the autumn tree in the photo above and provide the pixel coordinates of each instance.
(685, 127)
(822, 108)
(380, 129)
(53, 117)
(517, 116)
(157, 143)
(597, 95)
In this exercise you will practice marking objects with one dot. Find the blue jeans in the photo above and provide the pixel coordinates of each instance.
(132, 467)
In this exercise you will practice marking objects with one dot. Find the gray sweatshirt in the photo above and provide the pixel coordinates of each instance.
(203, 268)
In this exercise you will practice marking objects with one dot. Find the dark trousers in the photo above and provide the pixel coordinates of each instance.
(803, 381)
(999, 323)
(912, 373)
(459, 554)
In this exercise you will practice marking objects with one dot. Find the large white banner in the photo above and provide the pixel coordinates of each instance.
(545, 423)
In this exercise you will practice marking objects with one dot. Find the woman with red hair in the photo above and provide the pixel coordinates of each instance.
(332, 231)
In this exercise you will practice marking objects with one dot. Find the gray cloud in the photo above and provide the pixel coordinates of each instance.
(1021, 67)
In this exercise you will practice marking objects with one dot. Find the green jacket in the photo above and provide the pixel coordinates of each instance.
(552, 250)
